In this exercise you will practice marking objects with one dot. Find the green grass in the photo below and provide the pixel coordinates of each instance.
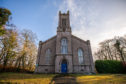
(24, 78)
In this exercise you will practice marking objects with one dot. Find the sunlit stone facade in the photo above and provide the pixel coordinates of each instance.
(64, 53)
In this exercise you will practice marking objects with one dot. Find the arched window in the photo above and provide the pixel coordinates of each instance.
(80, 56)
(64, 46)
(48, 56)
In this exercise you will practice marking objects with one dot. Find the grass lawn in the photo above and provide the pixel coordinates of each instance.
(101, 79)
(24, 78)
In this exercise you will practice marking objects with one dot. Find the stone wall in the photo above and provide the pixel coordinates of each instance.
(88, 61)
(72, 57)
(45, 69)
(42, 67)
(81, 69)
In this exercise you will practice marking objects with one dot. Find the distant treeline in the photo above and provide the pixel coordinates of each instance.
(112, 49)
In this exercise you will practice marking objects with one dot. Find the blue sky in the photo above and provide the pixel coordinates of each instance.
(95, 20)
(36, 15)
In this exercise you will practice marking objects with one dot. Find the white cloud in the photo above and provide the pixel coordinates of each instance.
(96, 20)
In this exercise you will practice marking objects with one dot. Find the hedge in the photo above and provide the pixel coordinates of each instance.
(109, 66)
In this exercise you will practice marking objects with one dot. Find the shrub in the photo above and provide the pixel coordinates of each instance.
(13, 69)
(109, 66)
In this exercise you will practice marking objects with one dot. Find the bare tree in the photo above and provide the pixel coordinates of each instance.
(112, 49)
(27, 56)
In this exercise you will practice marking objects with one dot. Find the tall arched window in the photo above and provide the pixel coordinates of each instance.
(48, 56)
(64, 46)
(80, 56)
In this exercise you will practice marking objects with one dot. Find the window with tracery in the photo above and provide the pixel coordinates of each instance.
(64, 46)
(48, 56)
(80, 56)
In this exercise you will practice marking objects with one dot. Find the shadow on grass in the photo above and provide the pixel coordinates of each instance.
(8, 83)
(11, 75)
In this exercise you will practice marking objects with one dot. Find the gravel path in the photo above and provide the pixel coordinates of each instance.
(63, 79)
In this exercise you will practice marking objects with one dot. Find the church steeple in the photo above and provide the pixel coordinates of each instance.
(64, 22)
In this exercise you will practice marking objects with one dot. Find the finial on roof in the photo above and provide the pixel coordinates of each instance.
(88, 42)
(59, 12)
(68, 12)
(40, 42)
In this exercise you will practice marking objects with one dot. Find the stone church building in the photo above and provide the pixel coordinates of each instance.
(64, 53)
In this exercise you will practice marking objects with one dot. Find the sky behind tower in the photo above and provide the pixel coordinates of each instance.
(95, 20)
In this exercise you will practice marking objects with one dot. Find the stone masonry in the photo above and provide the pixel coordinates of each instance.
(56, 57)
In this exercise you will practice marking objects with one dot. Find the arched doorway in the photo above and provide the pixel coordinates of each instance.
(64, 66)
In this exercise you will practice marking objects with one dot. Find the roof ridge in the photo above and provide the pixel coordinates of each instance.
(49, 39)
(80, 39)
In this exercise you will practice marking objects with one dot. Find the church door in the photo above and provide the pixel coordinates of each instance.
(64, 66)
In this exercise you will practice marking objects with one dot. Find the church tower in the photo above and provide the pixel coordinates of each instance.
(64, 22)
(63, 61)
